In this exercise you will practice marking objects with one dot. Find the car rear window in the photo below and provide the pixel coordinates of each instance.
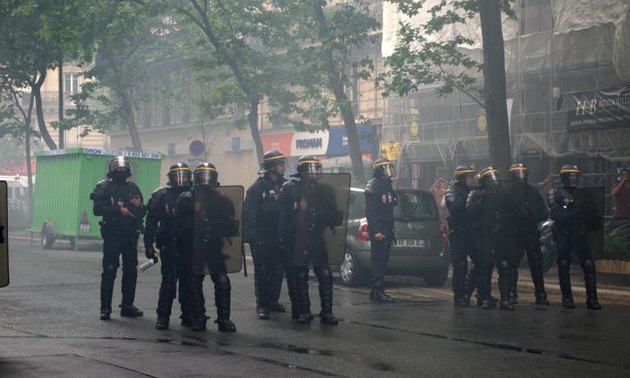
(415, 206)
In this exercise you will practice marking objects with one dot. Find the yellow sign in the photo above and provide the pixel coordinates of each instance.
(414, 129)
(4, 236)
(391, 150)
(482, 122)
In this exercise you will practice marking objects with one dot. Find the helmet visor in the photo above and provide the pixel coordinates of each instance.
(205, 177)
(314, 167)
(179, 177)
(389, 170)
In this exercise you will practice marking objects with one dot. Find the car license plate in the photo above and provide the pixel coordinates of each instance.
(411, 243)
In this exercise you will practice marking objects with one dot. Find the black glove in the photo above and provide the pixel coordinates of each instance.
(151, 253)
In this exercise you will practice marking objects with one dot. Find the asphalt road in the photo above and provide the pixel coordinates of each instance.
(50, 327)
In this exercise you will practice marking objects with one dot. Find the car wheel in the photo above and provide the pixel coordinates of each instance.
(351, 274)
(436, 278)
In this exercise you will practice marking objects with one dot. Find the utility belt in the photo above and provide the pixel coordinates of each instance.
(113, 228)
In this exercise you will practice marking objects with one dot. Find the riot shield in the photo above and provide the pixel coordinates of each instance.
(4, 236)
(503, 210)
(321, 215)
(217, 229)
(588, 227)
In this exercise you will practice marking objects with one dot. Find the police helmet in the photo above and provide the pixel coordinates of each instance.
(179, 174)
(569, 175)
(488, 175)
(271, 159)
(464, 171)
(205, 174)
(518, 171)
(383, 167)
(119, 164)
(309, 164)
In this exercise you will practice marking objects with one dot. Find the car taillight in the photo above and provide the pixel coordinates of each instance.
(444, 231)
(362, 232)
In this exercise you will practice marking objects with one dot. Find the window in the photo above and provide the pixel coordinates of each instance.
(70, 83)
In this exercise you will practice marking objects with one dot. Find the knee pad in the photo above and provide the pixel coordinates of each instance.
(563, 264)
(324, 274)
(588, 265)
(222, 280)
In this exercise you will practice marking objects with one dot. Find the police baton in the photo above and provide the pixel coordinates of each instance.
(244, 259)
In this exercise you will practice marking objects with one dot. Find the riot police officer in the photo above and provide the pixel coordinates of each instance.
(380, 200)
(261, 232)
(205, 179)
(570, 219)
(535, 212)
(293, 201)
(120, 203)
(490, 253)
(162, 229)
(460, 233)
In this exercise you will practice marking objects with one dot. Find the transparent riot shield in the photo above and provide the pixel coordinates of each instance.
(589, 223)
(503, 210)
(4, 236)
(217, 229)
(321, 214)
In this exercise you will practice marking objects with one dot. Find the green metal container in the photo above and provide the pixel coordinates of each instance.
(65, 178)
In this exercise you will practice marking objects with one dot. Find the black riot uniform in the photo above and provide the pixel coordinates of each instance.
(569, 220)
(120, 203)
(380, 200)
(488, 180)
(260, 224)
(300, 191)
(461, 238)
(205, 178)
(163, 229)
(535, 212)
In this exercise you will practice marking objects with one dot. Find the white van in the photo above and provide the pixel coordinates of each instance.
(17, 195)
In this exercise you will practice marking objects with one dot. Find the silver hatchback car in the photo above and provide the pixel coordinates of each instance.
(421, 246)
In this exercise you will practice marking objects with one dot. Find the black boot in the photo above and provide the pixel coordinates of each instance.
(513, 289)
(460, 269)
(536, 269)
(304, 303)
(485, 300)
(162, 322)
(222, 294)
(565, 284)
(591, 285)
(127, 309)
(505, 275)
(107, 290)
(276, 277)
(324, 276)
(261, 289)
(472, 280)
(293, 296)
(197, 304)
(381, 297)
(165, 300)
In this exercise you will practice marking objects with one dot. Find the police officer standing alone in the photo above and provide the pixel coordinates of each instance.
(535, 212)
(570, 219)
(120, 204)
(261, 232)
(162, 229)
(460, 233)
(380, 200)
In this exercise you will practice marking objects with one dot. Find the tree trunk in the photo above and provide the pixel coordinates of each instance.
(252, 120)
(130, 118)
(494, 88)
(39, 111)
(345, 107)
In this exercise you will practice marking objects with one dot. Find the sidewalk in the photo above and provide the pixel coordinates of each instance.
(611, 288)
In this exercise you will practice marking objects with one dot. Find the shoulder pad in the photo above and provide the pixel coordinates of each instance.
(159, 192)
(373, 186)
(99, 190)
